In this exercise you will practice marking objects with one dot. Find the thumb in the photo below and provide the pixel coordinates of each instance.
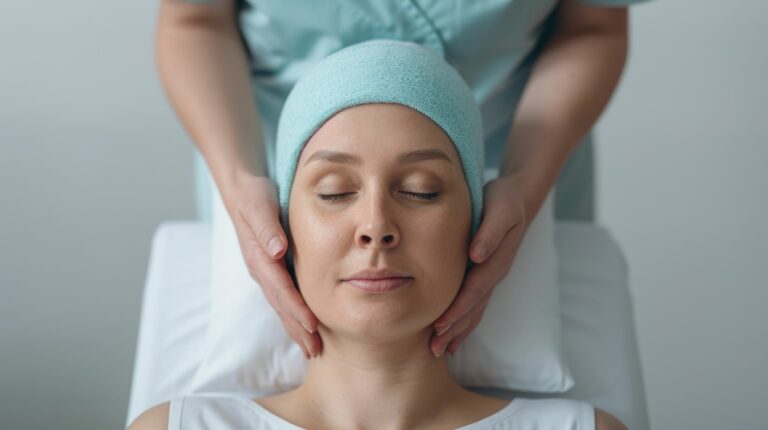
(262, 215)
(499, 216)
(275, 246)
(486, 240)
(493, 228)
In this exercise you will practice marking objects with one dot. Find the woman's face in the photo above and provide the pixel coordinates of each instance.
(379, 186)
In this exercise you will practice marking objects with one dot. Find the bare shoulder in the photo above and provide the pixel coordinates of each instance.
(606, 421)
(154, 418)
(471, 407)
(285, 404)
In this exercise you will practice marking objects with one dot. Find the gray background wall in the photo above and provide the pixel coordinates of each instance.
(92, 159)
(683, 187)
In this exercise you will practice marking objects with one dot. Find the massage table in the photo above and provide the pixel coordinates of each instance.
(598, 331)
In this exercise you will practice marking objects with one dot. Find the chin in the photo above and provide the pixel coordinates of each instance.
(370, 321)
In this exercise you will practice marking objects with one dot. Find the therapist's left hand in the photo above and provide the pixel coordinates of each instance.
(493, 249)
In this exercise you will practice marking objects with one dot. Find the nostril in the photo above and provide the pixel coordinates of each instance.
(388, 239)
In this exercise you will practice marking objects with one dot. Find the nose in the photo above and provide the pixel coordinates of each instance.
(377, 228)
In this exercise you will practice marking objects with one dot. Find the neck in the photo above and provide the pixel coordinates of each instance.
(356, 383)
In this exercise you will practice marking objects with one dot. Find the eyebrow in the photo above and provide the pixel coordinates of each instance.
(408, 157)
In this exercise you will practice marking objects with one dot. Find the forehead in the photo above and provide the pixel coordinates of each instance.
(378, 130)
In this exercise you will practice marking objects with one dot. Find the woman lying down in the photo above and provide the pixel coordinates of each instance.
(389, 182)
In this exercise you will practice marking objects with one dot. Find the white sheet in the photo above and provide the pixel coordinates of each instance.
(596, 309)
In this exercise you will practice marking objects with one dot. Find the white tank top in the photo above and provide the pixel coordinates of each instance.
(227, 411)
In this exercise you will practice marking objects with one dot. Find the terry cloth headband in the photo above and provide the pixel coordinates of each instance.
(381, 71)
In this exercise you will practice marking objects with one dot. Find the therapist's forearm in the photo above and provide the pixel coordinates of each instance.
(203, 69)
(569, 86)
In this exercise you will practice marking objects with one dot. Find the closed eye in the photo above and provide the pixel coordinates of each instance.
(423, 196)
(333, 196)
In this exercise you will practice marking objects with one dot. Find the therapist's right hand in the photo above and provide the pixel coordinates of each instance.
(255, 212)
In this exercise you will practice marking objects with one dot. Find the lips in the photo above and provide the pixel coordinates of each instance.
(379, 280)
(379, 285)
(384, 272)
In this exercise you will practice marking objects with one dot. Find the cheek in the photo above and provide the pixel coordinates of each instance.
(321, 236)
(449, 222)
(442, 235)
(317, 247)
(440, 243)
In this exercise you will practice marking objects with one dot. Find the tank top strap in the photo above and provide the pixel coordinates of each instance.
(174, 413)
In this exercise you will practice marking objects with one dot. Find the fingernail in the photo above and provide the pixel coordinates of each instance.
(443, 329)
(275, 245)
(307, 328)
(480, 251)
(440, 352)
(309, 349)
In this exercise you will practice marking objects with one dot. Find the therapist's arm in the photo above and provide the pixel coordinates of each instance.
(570, 84)
(203, 69)
(203, 66)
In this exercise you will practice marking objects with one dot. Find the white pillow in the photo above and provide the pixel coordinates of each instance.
(516, 346)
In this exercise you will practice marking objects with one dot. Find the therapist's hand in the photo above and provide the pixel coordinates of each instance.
(255, 213)
(493, 249)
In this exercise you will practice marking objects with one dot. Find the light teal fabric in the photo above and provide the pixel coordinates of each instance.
(491, 43)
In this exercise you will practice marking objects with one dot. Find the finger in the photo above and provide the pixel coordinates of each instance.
(295, 333)
(504, 210)
(278, 286)
(309, 343)
(461, 327)
(476, 286)
(294, 329)
(493, 229)
(290, 300)
(481, 279)
(453, 346)
(315, 343)
(439, 342)
(469, 296)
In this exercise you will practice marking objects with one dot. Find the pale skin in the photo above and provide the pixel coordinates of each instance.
(204, 70)
(377, 369)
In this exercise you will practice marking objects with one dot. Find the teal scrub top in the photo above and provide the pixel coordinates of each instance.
(491, 43)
